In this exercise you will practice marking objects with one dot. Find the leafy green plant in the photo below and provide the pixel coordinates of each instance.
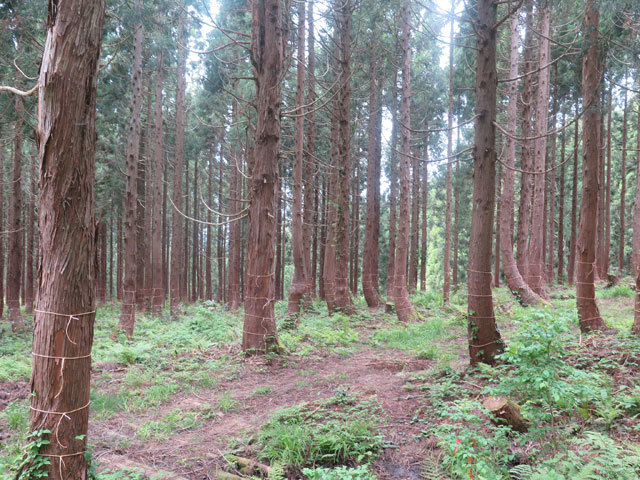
(339, 473)
(624, 291)
(226, 403)
(31, 464)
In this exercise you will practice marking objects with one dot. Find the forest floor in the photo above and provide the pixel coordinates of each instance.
(386, 400)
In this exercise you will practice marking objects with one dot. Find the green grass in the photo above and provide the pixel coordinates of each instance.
(173, 423)
(417, 338)
(335, 333)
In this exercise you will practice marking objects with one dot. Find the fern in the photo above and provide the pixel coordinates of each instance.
(521, 472)
(431, 469)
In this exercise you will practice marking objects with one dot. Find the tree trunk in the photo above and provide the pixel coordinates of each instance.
(177, 235)
(535, 275)
(415, 212)
(484, 338)
(526, 179)
(31, 244)
(101, 268)
(588, 312)
(15, 248)
(119, 259)
(393, 187)
(323, 236)
(552, 181)
(127, 316)
(636, 319)
(623, 188)
(446, 261)
(279, 249)
(425, 191)
(195, 240)
(234, 227)
(456, 221)
(403, 306)
(208, 295)
(371, 253)
(514, 279)
(635, 258)
(355, 231)
(310, 168)
(343, 10)
(65, 303)
(607, 201)
(184, 287)
(300, 281)
(329, 267)
(2, 228)
(220, 230)
(157, 293)
(148, 203)
(141, 233)
(496, 254)
(574, 205)
(561, 208)
(267, 53)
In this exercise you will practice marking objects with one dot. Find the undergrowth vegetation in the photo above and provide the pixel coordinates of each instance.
(176, 378)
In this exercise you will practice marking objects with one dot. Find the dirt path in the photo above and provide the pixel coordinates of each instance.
(193, 454)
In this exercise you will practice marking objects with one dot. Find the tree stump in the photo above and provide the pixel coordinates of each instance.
(506, 412)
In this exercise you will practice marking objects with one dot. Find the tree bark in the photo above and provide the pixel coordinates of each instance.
(15, 249)
(552, 181)
(329, 267)
(310, 169)
(561, 191)
(574, 205)
(635, 258)
(514, 279)
(446, 261)
(142, 239)
(2, 228)
(300, 281)
(404, 308)
(234, 227)
(415, 224)
(526, 179)
(267, 53)
(343, 10)
(371, 253)
(31, 244)
(588, 313)
(177, 235)
(119, 259)
(393, 187)
(496, 254)
(484, 338)
(623, 188)
(127, 316)
(535, 275)
(425, 191)
(607, 201)
(65, 302)
(157, 293)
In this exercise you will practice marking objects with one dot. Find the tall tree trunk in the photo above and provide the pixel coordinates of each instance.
(484, 338)
(157, 293)
(127, 316)
(323, 236)
(101, 269)
(371, 253)
(220, 229)
(636, 319)
(15, 248)
(393, 188)
(535, 275)
(404, 309)
(2, 228)
(496, 254)
(415, 211)
(574, 206)
(355, 230)
(635, 258)
(526, 180)
(208, 252)
(514, 279)
(446, 261)
(329, 267)
(343, 10)
(300, 281)
(623, 187)
(425, 191)
(119, 259)
(588, 312)
(195, 242)
(165, 232)
(607, 201)
(148, 203)
(552, 181)
(279, 249)
(31, 244)
(267, 53)
(65, 303)
(600, 271)
(561, 208)
(234, 227)
(177, 235)
(456, 221)
(142, 240)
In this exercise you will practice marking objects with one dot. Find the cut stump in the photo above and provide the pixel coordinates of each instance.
(506, 412)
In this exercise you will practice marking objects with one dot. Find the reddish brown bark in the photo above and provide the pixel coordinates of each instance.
(526, 180)
(310, 169)
(101, 265)
(561, 191)
(177, 235)
(300, 281)
(484, 338)
(119, 259)
(354, 233)
(65, 302)
(535, 275)
(404, 308)
(635, 258)
(2, 228)
(15, 249)
(623, 188)
(127, 316)
(323, 236)
(496, 254)
(514, 279)
(142, 239)
(329, 266)
(607, 201)
(415, 226)
(234, 269)
(371, 252)
(393, 181)
(31, 244)
(636, 319)
(574, 205)
(195, 240)
(220, 230)
(267, 52)
(551, 195)
(343, 10)
(588, 313)
(157, 293)
(446, 261)
(425, 190)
